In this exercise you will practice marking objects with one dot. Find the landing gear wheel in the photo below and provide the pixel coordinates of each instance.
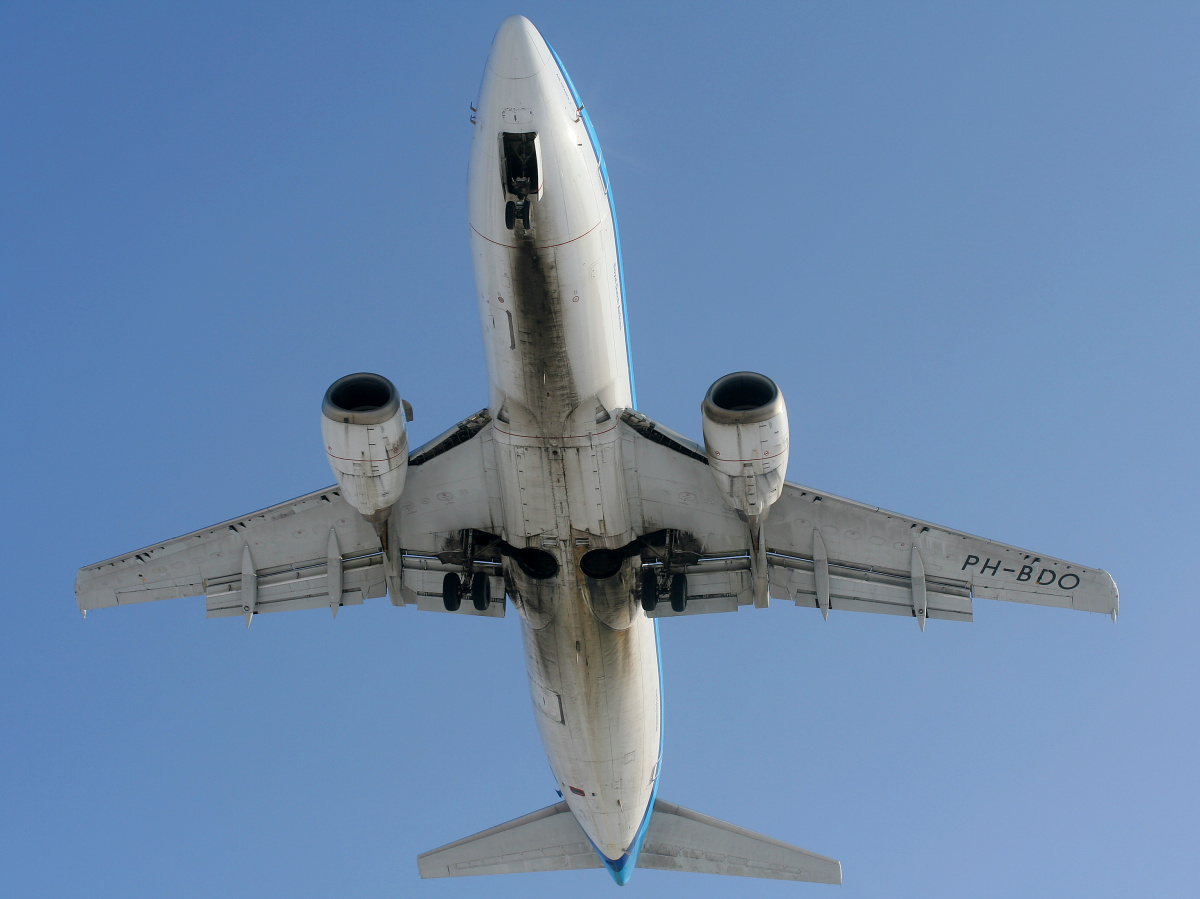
(649, 589)
(525, 214)
(678, 592)
(510, 214)
(481, 591)
(451, 592)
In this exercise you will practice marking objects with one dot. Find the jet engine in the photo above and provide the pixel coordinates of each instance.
(362, 422)
(746, 439)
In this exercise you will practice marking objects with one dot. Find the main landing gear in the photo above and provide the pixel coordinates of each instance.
(480, 589)
(451, 592)
(514, 211)
(652, 593)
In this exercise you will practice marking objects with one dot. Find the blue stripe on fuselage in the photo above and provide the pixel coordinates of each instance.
(621, 869)
(612, 209)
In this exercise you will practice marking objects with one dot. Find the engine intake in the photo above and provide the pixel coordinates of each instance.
(362, 421)
(746, 439)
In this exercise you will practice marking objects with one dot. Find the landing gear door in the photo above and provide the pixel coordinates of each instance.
(520, 172)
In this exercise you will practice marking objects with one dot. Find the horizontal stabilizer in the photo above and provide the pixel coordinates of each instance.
(679, 839)
(546, 840)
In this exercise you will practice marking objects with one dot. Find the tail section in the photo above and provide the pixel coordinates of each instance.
(546, 840)
(677, 839)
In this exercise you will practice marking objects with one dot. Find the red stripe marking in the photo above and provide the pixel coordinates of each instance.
(347, 459)
(545, 246)
(567, 437)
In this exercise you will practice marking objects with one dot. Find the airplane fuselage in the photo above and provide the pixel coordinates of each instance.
(551, 305)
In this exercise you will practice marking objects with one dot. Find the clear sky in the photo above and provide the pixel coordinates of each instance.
(963, 238)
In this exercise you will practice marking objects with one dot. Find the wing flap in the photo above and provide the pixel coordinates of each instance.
(284, 537)
(867, 591)
(305, 587)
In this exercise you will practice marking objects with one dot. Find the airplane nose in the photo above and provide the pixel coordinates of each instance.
(518, 50)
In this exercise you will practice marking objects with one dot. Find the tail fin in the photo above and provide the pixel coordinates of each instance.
(677, 839)
(546, 840)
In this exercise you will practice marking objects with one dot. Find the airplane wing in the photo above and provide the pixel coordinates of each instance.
(316, 551)
(831, 553)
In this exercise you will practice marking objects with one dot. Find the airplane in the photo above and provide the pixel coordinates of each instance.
(594, 521)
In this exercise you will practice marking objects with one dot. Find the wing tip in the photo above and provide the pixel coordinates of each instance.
(1116, 595)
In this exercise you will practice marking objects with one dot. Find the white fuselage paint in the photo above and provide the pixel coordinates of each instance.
(550, 304)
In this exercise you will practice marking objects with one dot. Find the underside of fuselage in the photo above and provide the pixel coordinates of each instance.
(549, 287)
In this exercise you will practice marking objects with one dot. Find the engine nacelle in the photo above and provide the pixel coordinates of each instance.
(746, 439)
(362, 422)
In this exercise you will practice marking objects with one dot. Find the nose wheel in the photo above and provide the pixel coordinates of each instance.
(514, 212)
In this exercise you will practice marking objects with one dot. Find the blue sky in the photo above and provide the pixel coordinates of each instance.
(962, 238)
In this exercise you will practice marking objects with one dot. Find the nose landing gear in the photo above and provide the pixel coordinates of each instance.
(514, 211)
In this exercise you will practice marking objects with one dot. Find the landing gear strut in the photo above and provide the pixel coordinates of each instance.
(665, 580)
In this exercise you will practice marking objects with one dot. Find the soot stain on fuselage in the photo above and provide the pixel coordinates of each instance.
(549, 384)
